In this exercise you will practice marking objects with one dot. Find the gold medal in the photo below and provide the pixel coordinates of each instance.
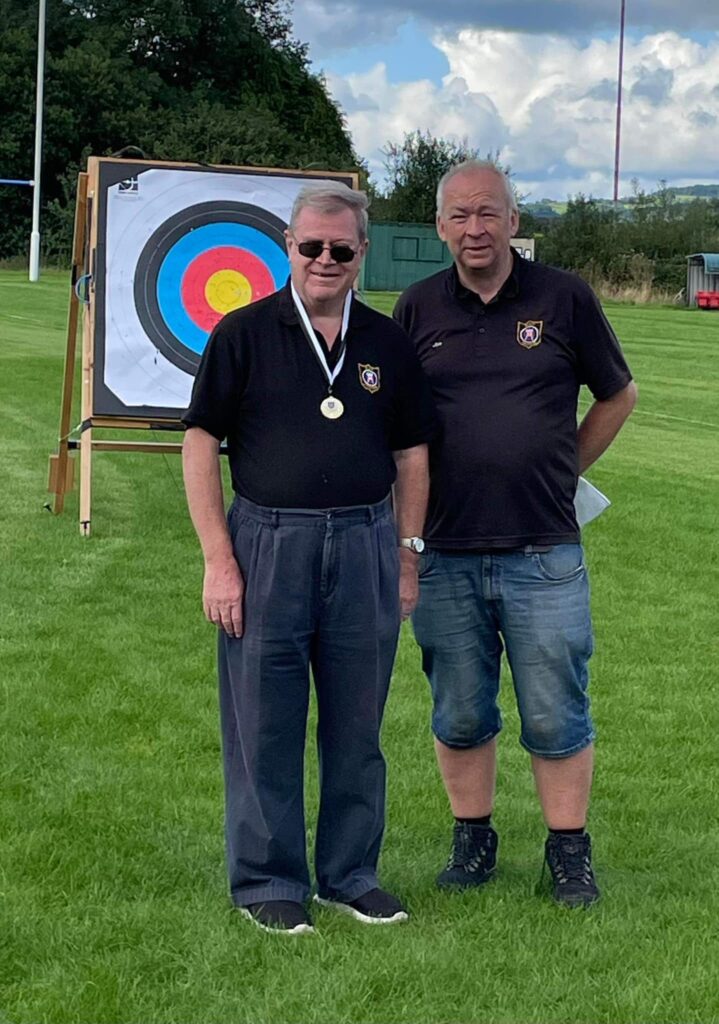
(331, 408)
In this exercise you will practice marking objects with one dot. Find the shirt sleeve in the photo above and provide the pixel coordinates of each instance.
(403, 314)
(415, 419)
(218, 384)
(601, 363)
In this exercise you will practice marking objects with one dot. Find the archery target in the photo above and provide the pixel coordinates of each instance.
(182, 248)
(199, 265)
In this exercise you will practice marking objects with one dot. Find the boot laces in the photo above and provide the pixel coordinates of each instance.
(572, 862)
(466, 852)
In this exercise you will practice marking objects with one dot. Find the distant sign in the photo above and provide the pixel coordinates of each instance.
(524, 246)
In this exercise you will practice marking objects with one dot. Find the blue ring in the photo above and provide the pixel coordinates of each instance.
(193, 244)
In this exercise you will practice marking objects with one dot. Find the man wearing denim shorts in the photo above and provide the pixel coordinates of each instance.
(506, 345)
(325, 410)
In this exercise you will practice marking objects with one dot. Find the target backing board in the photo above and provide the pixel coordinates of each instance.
(177, 246)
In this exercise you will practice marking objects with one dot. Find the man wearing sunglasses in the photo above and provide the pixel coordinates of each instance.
(325, 410)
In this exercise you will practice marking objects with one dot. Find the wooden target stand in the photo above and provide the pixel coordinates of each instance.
(61, 477)
(84, 254)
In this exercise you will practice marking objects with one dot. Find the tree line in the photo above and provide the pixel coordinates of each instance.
(639, 247)
(225, 82)
(217, 81)
(644, 249)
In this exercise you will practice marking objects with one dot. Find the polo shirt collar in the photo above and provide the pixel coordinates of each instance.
(287, 313)
(509, 290)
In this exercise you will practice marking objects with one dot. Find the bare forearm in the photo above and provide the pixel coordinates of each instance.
(411, 490)
(602, 423)
(223, 585)
(203, 487)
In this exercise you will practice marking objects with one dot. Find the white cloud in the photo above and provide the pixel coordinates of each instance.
(390, 110)
(548, 103)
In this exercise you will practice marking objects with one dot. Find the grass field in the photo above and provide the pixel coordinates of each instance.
(112, 888)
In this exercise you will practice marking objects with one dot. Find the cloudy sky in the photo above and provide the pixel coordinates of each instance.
(534, 79)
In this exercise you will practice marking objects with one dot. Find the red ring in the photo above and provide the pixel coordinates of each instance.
(201, 269)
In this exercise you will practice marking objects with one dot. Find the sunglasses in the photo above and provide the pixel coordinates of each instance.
(339, 253)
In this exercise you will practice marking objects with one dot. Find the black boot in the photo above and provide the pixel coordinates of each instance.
(569, 859)
(472, 859)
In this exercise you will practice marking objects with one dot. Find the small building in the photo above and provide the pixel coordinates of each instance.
(703, 280)
(400, 254)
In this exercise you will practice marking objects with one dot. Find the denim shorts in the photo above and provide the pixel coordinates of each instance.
(535, 604)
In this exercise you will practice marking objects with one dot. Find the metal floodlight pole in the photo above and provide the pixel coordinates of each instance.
(620, 76)
(35, 235)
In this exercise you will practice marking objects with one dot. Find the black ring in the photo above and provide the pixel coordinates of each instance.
(160, 243)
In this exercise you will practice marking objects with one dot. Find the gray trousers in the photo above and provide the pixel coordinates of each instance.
(321, 591)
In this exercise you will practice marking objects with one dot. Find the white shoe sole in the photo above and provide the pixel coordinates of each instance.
(345, 908)
(299, 929)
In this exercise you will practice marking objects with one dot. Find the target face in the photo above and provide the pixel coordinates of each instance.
(178, 248)
(199, 265)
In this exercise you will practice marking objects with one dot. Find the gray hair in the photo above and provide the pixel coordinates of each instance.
(468, 166)
(332, 197)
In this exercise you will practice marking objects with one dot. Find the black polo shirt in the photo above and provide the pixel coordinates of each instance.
(260, 385)
(505, 377)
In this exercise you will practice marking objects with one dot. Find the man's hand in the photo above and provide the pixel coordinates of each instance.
(408, 582)
(222, 595)
(223, 588)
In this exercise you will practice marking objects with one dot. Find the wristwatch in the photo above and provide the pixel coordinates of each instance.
(415, 544)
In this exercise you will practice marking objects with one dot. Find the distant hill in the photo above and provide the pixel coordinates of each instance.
(696, 191)
(549, 209)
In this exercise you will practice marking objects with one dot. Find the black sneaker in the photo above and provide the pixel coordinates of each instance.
(373, 907)
(472, 859)
(280, 916)
(569, 859)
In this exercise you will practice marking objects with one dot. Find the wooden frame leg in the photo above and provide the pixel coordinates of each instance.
(85, 481)
(61, 471)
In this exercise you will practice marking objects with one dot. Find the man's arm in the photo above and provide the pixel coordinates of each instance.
(223, 586)
(602, 423)
(411, 491)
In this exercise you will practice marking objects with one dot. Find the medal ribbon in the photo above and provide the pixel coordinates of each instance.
(312, 338)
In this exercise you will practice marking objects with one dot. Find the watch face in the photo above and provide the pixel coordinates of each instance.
(418, 545)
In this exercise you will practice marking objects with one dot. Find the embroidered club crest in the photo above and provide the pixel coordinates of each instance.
(369, 377)
(529, 334)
